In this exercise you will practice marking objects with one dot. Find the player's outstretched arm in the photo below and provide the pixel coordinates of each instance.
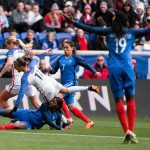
(96, 30)
(7, 65)
(141, 32)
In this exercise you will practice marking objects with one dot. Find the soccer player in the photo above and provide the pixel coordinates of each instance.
(46, 85)
(120, 40)
(35, 119)
(67, 64)
(12, 89)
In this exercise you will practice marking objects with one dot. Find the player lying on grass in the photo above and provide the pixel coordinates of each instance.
(46, 85)
(36, 119)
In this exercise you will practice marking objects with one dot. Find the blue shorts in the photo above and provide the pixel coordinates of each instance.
(23, 116)
(122, 80)
(69, 98)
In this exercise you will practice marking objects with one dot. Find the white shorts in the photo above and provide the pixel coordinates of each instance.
(14, 89)
(52, 89)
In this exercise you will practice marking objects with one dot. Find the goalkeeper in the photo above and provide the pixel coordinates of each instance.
(36, 119)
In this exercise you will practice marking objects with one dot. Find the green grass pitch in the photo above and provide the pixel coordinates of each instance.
(105, 135)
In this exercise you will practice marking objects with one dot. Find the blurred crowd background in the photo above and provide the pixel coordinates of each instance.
(41, 21)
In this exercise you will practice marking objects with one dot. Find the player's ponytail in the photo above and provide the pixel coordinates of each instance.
(120, 22)
(26, 47)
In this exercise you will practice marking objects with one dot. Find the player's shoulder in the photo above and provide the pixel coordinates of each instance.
(78, 58)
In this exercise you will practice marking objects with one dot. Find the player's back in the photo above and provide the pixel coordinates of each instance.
(119, 50)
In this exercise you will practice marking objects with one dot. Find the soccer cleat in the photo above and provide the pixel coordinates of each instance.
(70, 120)
(89, 124)
(94, 88)
(134, 139)
(128, 137)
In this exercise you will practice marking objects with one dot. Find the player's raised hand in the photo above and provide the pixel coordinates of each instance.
(68, 17)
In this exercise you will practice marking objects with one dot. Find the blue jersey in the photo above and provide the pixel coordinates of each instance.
(68, 68)
(119, 48)
(37, 118)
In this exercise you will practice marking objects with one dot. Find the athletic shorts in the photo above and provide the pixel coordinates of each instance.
(51, 89)
(23, 116)
(69, 98)
(122, 80)
(14, 89)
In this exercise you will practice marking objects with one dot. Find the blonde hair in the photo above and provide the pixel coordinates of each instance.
(18, 42)
(11, 39)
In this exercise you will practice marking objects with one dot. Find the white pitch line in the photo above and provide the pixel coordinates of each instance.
(73, 135)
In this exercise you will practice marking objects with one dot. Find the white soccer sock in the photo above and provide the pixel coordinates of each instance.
(77, 88)
(63, 119)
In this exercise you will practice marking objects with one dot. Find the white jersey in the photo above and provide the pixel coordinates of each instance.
(46, 85)
(16, 76)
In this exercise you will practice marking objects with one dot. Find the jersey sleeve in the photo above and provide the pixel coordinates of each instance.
(33, 63)
(23, 88)
(55, 67)
(141, 32)
(81, 62)
(47, 116)
(96, 30)
(10, 53)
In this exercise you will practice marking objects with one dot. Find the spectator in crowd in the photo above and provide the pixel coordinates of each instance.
(110, 4)
(31, 39)
(4, 24)
(13, 32)
(50, 42)
(43, 66)
(27, 8)
(87, 17)
(19, 18)
(9, 6)
(68, 27)
(81, 42)
(100, 67)
(53, 19)
(139, 42)
(78, 14)
(104, 13)
(47, 4)
(146, 15)
(34, 18)
(100, 41)
(147, 25)
(140, 11)
(81, 4)
(132, 16)
(94, 6)
(120, 4)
